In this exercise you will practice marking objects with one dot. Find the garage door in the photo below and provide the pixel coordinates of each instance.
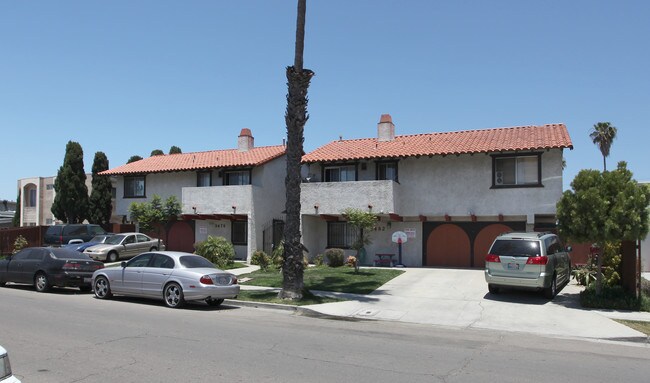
(484, 240)
(448, 246)
(181, 237)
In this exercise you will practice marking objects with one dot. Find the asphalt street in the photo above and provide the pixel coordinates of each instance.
(66, 336)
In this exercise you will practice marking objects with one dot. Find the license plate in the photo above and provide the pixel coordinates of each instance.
(513, 266)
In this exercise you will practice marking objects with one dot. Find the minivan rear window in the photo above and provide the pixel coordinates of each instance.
(515, 247)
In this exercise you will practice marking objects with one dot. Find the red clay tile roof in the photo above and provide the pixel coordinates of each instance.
(465, 142)
(200, 160)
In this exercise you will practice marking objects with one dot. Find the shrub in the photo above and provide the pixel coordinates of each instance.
(261, 259)
(20, 243)
(613, 298)
(277, 256)
(319, 260)
(217, 250)
(334, 257)
(351, 261)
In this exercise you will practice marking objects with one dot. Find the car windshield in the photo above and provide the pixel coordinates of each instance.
(99, 238)
(195, 261)
(65, 253)
(515, 247)
(115, 240)
(5, 367)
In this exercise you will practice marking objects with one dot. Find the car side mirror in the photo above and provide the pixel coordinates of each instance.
(123, 264)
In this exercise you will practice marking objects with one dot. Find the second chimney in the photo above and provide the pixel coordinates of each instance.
(385, 129)
(245, 141)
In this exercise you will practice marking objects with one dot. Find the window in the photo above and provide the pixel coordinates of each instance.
(340, 173)
(203, 179)
(113, 193)
(49, 187)
(387, 171)
(517, 170)
(30, 198)
(162, 261)
(239, 233)
(237, 177)
(341, 235)
(141, 260)
(134, 187)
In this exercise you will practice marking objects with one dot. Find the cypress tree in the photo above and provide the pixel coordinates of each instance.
(16, 220)
(71, 200)
(101, 195)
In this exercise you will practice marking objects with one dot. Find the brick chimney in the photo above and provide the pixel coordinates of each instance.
(385, 129)
(245, 141)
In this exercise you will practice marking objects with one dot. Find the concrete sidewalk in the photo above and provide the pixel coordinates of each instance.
(459, 298)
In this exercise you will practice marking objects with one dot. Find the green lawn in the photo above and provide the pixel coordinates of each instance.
(324, 278)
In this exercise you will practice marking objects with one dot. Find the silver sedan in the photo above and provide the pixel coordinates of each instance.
(124, 245)
(174, 277)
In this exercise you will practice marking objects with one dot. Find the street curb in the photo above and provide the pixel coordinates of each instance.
(299, 310)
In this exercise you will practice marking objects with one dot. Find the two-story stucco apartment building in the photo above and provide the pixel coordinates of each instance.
(237, 193)
(451, 193)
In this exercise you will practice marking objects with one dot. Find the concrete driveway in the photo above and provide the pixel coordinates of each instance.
(459, 298)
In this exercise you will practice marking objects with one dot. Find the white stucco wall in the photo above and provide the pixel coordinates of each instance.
(162, 184)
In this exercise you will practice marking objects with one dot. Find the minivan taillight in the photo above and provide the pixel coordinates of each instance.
(537, 260)
(492, 258)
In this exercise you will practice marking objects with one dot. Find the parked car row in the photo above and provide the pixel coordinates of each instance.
(174, 277)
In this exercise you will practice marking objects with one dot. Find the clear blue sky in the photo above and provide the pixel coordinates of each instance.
(127, 77)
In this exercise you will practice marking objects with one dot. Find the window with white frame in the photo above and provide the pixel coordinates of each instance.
(340, 173)
(134, 187)
(517, 170)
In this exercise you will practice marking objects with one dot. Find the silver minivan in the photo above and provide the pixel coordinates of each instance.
(528, 260)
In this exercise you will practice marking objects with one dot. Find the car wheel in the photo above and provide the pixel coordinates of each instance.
(112, 257)
(493, 289)
(41, 283)
(173, 296)
(214, 302)
(102, 288)
(153, 248)
(551, 291)
(85, 289)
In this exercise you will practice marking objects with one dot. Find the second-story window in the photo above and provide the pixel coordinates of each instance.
(237, 177)
(134, 187)
(340, 173)
(387, 171)
(203, 179)
(517, 170)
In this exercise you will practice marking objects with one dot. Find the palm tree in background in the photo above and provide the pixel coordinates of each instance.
(295, 118)
(603, 134)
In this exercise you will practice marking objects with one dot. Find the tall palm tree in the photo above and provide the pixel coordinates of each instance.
(295, 117)
(603, 134)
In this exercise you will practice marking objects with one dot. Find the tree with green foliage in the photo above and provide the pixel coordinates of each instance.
(295, 118)
(175, 150)
(363, 222)
(603, 135)
(134, 159)
(154, 215)
(101, 205)
(604, 207)
(71, 199)
(15, 222)
(157, 152)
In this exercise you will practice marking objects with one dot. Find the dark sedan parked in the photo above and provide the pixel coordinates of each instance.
(45, 267)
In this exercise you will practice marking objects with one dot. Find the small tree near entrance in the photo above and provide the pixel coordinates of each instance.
(363, 222)
(154, 216)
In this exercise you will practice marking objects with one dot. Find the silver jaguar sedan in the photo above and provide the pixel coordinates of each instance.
(175, 277)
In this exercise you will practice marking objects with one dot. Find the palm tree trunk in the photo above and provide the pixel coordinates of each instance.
(604, 163)
(296, 116)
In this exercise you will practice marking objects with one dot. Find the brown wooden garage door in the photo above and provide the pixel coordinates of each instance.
(448, 246)
(484, 240)
(180, 237)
